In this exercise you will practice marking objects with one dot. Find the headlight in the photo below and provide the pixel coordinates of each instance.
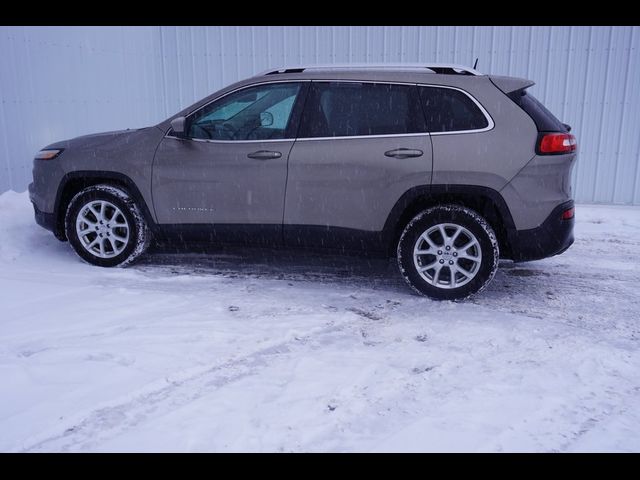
(48, 154)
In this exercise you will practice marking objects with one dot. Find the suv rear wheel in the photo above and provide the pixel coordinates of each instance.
(105, 226)
(448, 252)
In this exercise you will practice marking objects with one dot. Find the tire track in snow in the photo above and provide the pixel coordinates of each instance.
(106, 422)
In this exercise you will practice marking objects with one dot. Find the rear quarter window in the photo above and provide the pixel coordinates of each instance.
(450, 110)
(545, 120)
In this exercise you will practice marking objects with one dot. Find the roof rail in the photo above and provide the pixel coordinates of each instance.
(440, 68)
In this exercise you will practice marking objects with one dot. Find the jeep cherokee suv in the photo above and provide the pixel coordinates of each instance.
(443, 167)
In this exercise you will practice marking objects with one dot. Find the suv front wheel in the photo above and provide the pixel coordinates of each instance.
(105, 226)
(448, 252)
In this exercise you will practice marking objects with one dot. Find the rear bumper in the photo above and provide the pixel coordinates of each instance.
(553, 237)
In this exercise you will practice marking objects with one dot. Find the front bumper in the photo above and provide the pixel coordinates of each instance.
(553, 237)
(45, 219)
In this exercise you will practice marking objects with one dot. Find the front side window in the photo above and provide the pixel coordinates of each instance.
(344, 109)
(449, 110)
(262, 112)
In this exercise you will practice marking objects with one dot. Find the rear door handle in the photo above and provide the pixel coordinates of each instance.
(403, 153)
(264, 155)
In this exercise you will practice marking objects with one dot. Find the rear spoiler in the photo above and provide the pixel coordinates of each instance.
(510, 84)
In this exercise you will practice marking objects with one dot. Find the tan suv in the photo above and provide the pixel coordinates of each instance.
(445, 168)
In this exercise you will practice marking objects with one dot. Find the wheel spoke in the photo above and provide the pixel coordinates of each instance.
(113, 245)
(455, 235)
(471, 243)
(463, 271)
(427, 239)
(452, 273)
(469, 257)
(101, 243)
(443, 233)
(119, 238)
(429, 267)
(102, 209)
(115, 215)
(95, 212)
(436, 275)
(93, 243)
(87, 220)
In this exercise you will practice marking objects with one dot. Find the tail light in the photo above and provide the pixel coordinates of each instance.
(557, 143)
(569, 213)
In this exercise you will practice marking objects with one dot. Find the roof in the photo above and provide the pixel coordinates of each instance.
(427, 68)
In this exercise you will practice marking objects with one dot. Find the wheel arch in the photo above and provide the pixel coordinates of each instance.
(486, 201)
(74, 182)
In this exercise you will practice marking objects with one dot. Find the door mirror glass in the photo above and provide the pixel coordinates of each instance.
(266, 119)
(178, 126)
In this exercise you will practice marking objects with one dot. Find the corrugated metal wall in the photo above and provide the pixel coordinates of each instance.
(60, 82)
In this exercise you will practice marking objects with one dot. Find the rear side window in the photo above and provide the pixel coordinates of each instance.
(345, 109)
(543, 118)
(449, 110)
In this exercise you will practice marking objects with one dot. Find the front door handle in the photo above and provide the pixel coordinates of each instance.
(264, 155)
(403, 153)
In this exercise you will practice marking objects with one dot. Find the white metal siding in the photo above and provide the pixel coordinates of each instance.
(60, 82)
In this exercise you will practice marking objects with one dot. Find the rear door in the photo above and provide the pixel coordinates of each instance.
(359, 148)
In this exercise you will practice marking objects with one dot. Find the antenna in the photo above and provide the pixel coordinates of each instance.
(475, 64)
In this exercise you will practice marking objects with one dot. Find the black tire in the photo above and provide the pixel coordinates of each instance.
(483, 269)
(138, 237)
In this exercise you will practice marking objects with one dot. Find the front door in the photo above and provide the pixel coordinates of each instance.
(232, 166)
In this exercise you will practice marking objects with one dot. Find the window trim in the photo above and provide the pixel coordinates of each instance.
(243, 87)
(490, 125)
(484, 111)
(387, 135)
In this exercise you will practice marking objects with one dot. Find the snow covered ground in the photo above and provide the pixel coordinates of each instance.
(272, 351)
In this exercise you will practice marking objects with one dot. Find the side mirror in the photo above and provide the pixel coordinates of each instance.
(266, 119)
(178, 126)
